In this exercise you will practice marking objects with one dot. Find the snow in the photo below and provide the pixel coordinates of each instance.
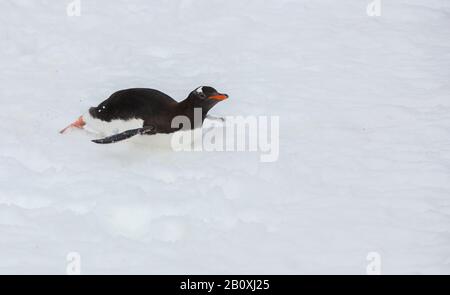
(364, 160)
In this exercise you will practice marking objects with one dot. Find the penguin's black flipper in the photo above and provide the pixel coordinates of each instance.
(126, 134)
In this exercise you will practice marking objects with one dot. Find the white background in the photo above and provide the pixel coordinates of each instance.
(364, 161)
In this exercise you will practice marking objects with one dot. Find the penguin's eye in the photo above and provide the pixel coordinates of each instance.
(201, 94)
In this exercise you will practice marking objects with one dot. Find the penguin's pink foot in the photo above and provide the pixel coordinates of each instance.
(77, 124)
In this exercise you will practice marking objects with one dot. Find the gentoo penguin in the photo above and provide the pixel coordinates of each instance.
(147, 111)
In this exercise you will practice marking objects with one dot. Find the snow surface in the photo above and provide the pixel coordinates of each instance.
(364, 160)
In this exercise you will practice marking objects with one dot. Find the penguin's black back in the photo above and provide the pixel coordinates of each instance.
(140, 103)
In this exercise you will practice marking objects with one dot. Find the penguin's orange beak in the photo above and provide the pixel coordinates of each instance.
(218, 96)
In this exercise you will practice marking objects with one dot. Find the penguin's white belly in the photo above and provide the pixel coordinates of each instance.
(104, 128)
(165, 141)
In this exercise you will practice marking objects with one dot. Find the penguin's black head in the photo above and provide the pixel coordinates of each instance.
(207, 95)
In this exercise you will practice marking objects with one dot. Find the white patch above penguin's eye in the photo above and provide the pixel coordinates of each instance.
(200, 90)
